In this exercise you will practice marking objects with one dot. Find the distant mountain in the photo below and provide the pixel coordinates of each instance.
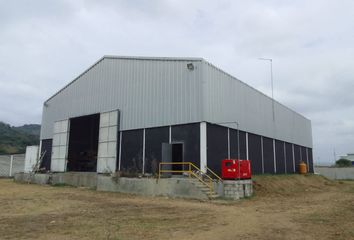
(15, 139)
(32, 129)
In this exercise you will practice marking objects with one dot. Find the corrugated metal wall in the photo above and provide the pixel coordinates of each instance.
(227, 99)
(149, 93)
(152, 92)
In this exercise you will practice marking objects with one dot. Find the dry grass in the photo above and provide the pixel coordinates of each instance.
(284, 207)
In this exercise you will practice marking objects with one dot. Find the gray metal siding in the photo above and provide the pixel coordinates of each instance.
(152, 92)
(227, 99)
(149, 93)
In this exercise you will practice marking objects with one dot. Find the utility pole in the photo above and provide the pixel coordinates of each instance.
(273, 111)
(271, 81)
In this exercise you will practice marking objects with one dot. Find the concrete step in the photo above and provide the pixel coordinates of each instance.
(197, 180)
(205, 189)
(213, 196)
(201, 185)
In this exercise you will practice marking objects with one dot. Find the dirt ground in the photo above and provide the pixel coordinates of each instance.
(284, 207)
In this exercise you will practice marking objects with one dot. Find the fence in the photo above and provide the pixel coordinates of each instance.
(345, 173)
(11, 164)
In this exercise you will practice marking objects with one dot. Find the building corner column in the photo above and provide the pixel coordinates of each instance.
(203, 146)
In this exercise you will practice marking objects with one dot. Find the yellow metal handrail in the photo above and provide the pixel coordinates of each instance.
(217, 176)
(209, 185)
(191, 172)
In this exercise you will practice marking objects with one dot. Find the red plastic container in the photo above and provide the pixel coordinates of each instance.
(229, 169)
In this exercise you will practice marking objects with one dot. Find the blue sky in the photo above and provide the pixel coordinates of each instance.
(45, 44)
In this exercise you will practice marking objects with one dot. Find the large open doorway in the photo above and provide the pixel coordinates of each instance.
(177, 156)
(83, 143)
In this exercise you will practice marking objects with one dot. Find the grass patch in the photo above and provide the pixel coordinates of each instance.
(350, 190)
(318, 218)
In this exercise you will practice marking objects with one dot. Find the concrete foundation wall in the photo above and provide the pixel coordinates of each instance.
(336, 173)
(75, 179)
(72, 179)
(32, 178)
(170, 187)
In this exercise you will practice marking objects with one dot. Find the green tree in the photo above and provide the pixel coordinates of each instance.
(343, 163)
(15, 139)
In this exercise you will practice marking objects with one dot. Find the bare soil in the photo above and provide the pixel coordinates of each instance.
(284, 207)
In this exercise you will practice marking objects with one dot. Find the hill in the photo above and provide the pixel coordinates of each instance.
(32, 129)
(15, 139)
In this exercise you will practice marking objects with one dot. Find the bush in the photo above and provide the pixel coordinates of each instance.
(343, 163)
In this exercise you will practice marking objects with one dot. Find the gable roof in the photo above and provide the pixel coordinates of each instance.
(193, 59)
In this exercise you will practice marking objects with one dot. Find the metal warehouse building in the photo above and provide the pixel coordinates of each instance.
(130, 113)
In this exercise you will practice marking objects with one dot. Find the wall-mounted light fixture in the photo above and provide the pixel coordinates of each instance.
(190, 66)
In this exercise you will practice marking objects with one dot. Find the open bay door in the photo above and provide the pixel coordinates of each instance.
(107, 142)
(60, 146)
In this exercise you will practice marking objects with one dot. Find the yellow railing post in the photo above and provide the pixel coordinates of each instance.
(159, 170)
(210, 187)
(189, 169)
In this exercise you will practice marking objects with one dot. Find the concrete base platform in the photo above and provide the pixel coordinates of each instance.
(170, 187)
(76, 179)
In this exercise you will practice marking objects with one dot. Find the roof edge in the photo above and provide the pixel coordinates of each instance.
(255, 89)
(67, 85)
(154, 58)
